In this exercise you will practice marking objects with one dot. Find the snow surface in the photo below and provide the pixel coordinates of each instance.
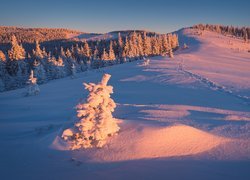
(180, 118)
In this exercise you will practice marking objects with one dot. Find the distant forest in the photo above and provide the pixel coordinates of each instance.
(242, 32)
(30, 35)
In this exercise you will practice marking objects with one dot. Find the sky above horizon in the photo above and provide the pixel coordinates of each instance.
(108, 15)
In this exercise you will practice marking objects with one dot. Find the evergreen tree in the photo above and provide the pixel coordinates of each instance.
(111, 51)
(73, 71)
(86, 51)
(38, 53)
(39, 72)
(32, 88)
(16, 52)
(125, 49)
(60, 71)
(95, 121)
(2, 56)
(165, 45)
(96, 54)
(120, 45)
(146, 45)
(171, 54)
(140, 46)
(105, 55)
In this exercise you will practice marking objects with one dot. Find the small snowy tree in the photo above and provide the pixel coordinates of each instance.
(171, 54)
(95, 121)
(73, 71)
(32, 88)
(145, 62)
(185, 46)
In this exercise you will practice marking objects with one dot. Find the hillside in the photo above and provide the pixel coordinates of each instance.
(181, 118)
(29, 35)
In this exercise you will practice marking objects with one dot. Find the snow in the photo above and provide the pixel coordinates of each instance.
(184, 118)
(144, 142)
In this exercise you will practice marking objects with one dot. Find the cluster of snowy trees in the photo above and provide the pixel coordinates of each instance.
(243, 32)
(95, 122)
(29, 35)
(17, 63)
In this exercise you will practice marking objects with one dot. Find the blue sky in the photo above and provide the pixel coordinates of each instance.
(108, 15)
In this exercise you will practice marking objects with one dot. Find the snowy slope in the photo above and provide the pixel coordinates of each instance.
(186, 118)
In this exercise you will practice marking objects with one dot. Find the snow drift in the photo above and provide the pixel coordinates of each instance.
(140, 141)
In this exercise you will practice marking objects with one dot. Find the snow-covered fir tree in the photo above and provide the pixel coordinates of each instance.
(59, 67)
(105, 55)
(111, 51)
(140, 46)
(147, 49)
(73, 71)
(15, 56)
(95, 122)
(39, 71)
(120, 45)
(125, 51)
(38, 53)
(2, 56)
(32, 88)
(95, 54)
(170, 53)
(146, 62)
(16, 52)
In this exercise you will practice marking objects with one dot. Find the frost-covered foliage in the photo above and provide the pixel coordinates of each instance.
(32, 88)
(39, 72)
(16, 52)
(185, 46)
(145, 62)
(73, 71)
(95, 121)
(171, 54)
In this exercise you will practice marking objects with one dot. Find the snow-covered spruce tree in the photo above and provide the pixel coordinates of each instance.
(39, 71)
(16, 52)
(185, 46)
(170, 53)
(120, 45)
(111, 51)
(32, 88)
(37, 52)
(95, 121)
(73, 71)
(105, 55)
(146, 62)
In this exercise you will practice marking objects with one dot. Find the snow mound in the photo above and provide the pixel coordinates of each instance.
(145, 142)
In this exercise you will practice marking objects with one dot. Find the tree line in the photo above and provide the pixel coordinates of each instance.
(242, 32)
(16, 63)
